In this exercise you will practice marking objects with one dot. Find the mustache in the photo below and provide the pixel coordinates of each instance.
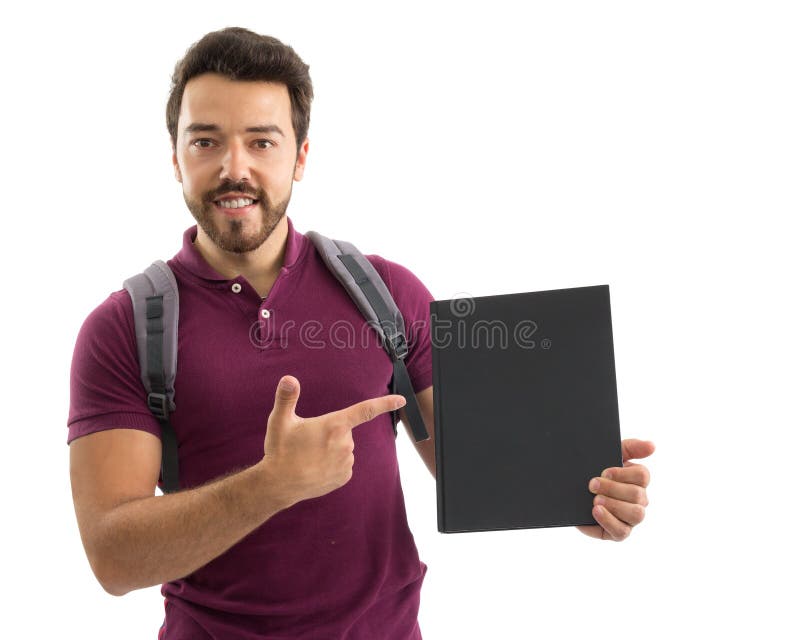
(238, 187)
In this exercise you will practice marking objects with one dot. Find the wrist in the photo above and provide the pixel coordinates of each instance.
(274, 488)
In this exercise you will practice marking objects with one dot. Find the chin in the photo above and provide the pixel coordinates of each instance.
(240, 238)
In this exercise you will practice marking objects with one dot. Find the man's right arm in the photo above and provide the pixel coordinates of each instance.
(134, 539)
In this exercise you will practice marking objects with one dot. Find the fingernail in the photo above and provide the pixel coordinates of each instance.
(400, 403)
(594, 485)
(606, 474)
(599, 500)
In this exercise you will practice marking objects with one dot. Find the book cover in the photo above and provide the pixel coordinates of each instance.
(525, 405)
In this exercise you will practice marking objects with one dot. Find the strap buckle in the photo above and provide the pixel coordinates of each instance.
(397, 346)
(157, 403)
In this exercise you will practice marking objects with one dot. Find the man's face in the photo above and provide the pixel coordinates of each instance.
(236, 144)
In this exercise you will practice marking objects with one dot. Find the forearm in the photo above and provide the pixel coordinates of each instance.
(153, 540)
(427, 452)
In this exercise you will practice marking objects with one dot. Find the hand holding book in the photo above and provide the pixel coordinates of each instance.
(620, 496)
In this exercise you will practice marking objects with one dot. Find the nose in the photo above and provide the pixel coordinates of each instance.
(235, 163)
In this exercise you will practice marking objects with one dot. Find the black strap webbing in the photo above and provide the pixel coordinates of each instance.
(395, 345)
(157, 399)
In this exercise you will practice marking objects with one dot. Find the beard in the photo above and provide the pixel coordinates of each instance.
(231, 234)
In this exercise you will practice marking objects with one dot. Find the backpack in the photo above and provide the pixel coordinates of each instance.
(154, 294)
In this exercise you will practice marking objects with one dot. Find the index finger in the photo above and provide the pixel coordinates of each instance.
(367, 410)
(630, 474)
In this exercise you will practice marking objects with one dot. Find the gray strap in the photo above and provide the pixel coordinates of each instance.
(330, 250)
(369, 292)
(157, 280)
(393, 335)
(154, 295)
(401, 384)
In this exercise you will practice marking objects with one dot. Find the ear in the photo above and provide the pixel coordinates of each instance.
(175, 166)
(300, 165)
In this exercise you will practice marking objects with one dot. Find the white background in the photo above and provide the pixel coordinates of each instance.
(490, 148)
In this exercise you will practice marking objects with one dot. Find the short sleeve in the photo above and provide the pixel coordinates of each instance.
(106, 391)
(413, 300)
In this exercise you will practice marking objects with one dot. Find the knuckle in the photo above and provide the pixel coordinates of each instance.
(338, 428)
(638, 514)
(645, 477)
(617, 532)
(615, 529)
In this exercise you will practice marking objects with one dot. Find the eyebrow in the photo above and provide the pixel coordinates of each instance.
(264, 128)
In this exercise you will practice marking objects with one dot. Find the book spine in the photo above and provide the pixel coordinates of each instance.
(437, 426)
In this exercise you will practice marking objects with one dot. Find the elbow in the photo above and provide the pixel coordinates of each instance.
(112, 589)
(111, 584)
(103, 552)
(107, 574)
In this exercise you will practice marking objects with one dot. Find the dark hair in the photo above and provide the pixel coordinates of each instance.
(240, 54)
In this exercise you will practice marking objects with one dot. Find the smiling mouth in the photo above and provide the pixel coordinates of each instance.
(235, 203)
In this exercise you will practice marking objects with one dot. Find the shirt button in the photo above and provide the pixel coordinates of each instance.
(236, 287)
(264, 313)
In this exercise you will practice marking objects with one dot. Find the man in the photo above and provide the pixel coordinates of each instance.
(306, 537)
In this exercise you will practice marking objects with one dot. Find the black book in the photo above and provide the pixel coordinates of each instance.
(525, 403)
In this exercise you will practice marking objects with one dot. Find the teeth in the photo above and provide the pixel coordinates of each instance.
(235, 204)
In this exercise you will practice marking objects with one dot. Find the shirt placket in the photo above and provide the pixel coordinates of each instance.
(259, 313)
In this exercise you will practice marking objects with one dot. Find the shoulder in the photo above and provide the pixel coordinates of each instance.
(105, 378)
(400, 280)
(112, 316)
(413, 300)
(107, 337)
(410, 294)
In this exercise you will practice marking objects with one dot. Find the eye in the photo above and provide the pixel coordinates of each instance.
(264, 144)
(203, 143)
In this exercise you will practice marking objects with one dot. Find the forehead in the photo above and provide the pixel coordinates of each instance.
(234, 104)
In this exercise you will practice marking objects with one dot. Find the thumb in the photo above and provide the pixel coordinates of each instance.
(636, 449)
(286, 396)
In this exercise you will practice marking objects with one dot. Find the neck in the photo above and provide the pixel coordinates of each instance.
(260, 267)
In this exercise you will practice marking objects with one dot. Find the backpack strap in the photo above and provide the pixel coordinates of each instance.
(154, 294)
(367, 289)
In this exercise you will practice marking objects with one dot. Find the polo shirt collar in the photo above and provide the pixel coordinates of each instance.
(190, 258)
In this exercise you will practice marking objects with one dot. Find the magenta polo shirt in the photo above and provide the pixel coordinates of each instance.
(343, 565)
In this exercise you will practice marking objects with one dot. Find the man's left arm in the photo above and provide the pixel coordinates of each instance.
(620, 493)
(427, 448)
